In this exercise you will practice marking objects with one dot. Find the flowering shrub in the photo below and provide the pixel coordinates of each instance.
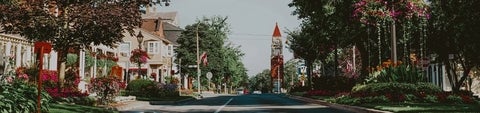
(139, 56)
(49, 78)
(107, 88)
(123, 85)
(368, 11)
(21, 75)
(153, 75)
(56, 92)
(50, 84)
(167, 90)
(17, 95)
(320, 93)
(148, 88)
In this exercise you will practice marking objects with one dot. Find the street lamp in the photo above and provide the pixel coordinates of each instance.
(140, 40)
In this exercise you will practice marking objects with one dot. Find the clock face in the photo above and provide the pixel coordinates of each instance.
(276, 43)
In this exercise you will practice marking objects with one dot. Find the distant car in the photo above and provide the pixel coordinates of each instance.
(239, 91)
(257, 92)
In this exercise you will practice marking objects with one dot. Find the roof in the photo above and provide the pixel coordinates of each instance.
(172, 33)
(276, 31)
(150, 36)
(170, 27)
(164, 15)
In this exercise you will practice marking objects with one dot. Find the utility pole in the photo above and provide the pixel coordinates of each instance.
(198, 65)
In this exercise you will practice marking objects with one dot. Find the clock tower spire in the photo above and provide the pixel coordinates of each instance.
(276, 59)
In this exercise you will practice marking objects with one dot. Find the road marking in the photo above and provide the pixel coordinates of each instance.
(219, 109)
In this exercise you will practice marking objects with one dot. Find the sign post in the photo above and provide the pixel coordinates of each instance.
(40, 48)
(209, 76)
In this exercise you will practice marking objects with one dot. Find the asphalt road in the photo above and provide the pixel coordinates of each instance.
(251, 103)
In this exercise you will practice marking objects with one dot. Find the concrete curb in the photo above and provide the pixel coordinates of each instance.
(170, 102)
(355, 109)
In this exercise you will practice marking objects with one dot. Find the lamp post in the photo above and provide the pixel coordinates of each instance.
(394, 38)
(140, 40)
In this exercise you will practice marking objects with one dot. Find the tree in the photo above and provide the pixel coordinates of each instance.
(291, 71)
(323, 30)
(261, 81)
(453, 35)
(224, 61)
(234, 66)
(71, 24)
(365, 24)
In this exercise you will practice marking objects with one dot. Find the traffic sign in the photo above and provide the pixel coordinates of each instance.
(303, 69)
(209, 75)
(192, 66)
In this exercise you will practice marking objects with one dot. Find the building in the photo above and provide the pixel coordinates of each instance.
(276, 59)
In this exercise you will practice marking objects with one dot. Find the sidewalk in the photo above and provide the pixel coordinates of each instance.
(123, 106)
(355, 109)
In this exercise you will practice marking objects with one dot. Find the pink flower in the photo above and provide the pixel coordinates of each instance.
(9, 79)
(23, 76)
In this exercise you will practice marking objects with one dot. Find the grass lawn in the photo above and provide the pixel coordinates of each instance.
(177, 98)
(425, 107)
(69, 108)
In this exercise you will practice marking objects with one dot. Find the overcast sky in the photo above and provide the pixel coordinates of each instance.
(251, 21)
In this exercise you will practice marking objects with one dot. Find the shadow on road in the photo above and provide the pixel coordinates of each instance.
(249, 103)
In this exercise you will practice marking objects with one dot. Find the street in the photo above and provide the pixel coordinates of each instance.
(251, 103)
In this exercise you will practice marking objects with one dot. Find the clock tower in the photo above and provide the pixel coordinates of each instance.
(276, 59)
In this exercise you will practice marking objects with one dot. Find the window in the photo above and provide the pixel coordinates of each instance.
(124, 49)
(153, 47)
(170, 51)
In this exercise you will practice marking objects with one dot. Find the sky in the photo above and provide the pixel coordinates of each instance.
(251, 22)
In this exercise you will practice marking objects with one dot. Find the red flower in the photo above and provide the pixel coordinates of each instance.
(139, 56)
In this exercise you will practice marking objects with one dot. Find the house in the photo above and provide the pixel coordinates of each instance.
(157, 50)
(164, 26)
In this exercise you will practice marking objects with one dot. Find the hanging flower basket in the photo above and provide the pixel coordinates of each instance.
(139, 56)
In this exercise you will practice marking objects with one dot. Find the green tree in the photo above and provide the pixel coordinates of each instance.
(365, 24)
(224, 60)
(261, 81)
(291, 73)
(71, 24)
(454, 37)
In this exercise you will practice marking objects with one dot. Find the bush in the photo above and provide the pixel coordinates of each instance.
(148, 89)
(169, 90)
(323, 93)
(107, 88)
(346, 100)
(411, 98)
(300, 89)
(454, 99)
(21, 97)
(375, 89)
(402, 73)
(431, 99)
(139, 87)
(375, 99)
(333, 83)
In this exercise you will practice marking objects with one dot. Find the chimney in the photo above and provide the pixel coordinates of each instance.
(154, 9)
(157, 24)
(147, 9)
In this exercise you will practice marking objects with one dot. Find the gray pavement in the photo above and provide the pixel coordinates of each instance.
(221, 103)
